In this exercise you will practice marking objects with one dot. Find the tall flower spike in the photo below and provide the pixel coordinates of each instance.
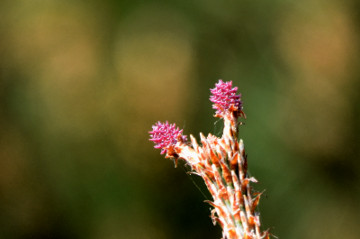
(165, 136)
(222, 163)
(225, 99)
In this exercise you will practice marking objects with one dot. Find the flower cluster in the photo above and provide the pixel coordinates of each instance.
(222, 163)
(166, 135)
(225, 98)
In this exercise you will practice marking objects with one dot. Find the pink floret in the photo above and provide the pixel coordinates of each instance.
(165, 135)
(225, 98)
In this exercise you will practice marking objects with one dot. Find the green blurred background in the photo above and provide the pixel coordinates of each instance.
(81, 83)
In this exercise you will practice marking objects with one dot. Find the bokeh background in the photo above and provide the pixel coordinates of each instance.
(81, 83)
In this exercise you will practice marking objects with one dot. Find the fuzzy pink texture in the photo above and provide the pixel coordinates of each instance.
(165, 135)
(225, 98)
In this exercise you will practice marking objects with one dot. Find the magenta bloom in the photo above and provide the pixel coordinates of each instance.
(165, 135)
(225, 98)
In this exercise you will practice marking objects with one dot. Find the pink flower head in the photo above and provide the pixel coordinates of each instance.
(165, 135)
(225, 98)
